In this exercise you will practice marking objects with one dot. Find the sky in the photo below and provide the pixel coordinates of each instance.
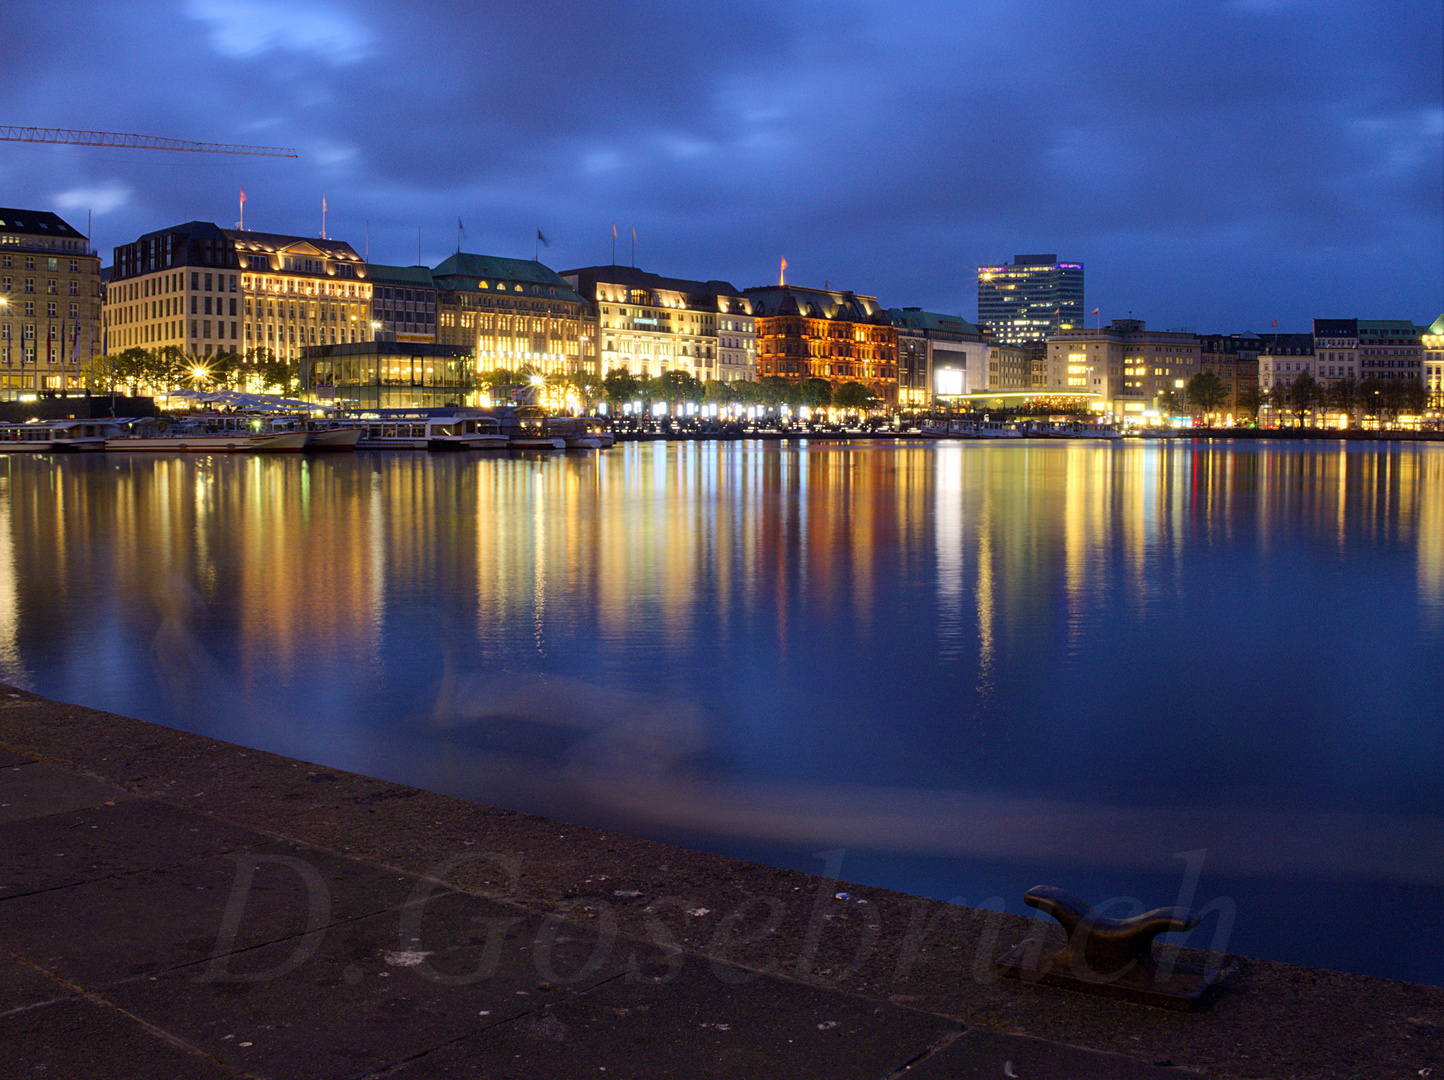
(1214, 164)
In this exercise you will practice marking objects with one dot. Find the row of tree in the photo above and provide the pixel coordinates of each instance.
(168, 368)
(1303, 397)
(620, 386)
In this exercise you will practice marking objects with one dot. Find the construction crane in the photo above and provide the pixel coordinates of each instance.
(132, 142)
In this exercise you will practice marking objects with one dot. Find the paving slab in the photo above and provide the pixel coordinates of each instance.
(22, 987)
(137, 924)
(9, 758)
(135, 834)
(988, 1055)
(33, 790)
(378, 991)
(79, 1039)
(705, 1022)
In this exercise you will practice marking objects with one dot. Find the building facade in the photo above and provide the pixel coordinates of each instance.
(515, 314)
(1391, 349)
(1433, 342)
(1234, 359)
(939, 357)
(1336, 345)
(212, 291)
(1283, 358)
(651, 324)
(1030, 299)
(50, 304)
(403, 303)
(805, 333)
(391, 374)
(1127, 365)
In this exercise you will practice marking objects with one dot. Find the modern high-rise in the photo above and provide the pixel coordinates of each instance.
(49, 303)
(1030, 299)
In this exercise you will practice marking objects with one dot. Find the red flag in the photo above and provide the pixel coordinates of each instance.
(1276, 324)
(243, 195)
(1095, 311)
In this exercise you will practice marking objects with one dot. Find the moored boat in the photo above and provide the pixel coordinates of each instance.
(57, 436)
(205, 434)
(432, 433)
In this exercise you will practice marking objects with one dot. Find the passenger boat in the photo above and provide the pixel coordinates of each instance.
(572, 431)
(205, 434)
(531, 432)
(332, 436)
(432, 433)
(971, 429)
(57, 436)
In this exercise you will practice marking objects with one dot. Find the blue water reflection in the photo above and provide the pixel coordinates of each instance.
(976, 667)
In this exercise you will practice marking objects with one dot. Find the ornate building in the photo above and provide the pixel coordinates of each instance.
(209, 290)
(842, 337)
(403, 303)
(650, 324)
(49, 303)
(939, 357)
(514, 313)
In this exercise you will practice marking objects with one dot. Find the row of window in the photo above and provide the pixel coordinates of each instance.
(52, 311)
(52, 287)
(7, 262)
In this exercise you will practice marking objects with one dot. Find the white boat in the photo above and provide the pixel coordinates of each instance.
(206, 435)
(331, 436)
(971, 429)
(57, 436)
(432, 433)
(532, 432)
(1081, 430)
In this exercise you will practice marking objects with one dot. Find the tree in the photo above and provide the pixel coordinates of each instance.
(1302, 396)
(1343, 396)
(1170, 402)
(853, 396)
(620, 385)
(678, 386)
(1249, 398)
(816, 393)
(1207, 392)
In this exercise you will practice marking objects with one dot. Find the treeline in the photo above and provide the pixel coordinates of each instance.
(172, 368)
(620, 386)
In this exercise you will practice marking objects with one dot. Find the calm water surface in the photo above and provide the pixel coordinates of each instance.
(975, 668)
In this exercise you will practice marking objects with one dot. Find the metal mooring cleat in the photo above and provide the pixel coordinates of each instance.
(1110, 957)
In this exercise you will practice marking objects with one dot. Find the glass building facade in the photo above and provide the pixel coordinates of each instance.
(1030, 299)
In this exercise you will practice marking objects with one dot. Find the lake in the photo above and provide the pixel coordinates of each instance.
(1208, 671)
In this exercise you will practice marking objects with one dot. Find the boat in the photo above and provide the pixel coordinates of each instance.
(450, 432)
(57, 436)
(970, 429)
(209, 434)
(573, 432)
(531, 432)
(1083, 430)
(332, 436)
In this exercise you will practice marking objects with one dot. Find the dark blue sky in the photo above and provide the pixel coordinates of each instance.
(1215, 164)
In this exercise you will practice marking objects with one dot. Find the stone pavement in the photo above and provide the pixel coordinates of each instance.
(142, 935)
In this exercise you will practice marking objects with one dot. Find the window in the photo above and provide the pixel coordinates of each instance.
(29, 283)
(75, 266)
(75, 311)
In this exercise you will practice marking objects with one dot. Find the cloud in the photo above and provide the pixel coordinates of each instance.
(101, 199)
(243, 29)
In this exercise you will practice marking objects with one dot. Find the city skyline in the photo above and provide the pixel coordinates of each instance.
(1264, 159)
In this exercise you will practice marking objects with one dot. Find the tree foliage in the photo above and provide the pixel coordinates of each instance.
(1207, 392)
(853, 396)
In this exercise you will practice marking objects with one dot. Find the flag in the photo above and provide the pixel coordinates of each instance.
(614, 230)
(1276, 324)
(323, 204)
(460, 228)
(75, 339)
(544, 241)
(243, 196)
(782, 274)
(1095, 311)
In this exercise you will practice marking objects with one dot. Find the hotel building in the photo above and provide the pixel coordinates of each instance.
(209, 291)
(651, 324)
(805, 333)
(1234, 359)
(50, 326)
(1433, 341)
(403, 303)
(514, 314)
(1127, 366)
(1030, 299)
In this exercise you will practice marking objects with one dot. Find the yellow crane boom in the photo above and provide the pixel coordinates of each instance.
(133, 142)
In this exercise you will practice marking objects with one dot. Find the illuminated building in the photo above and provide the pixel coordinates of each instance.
(651, 324)
(1283, 358)
(403, 302)
(1030, 299)
(209, 291)
(938, 356)
(516, 314)
(49, 303)
(393, 375)
(1433, 342)
(1011, 367)
(805, 333)
(1128, 365)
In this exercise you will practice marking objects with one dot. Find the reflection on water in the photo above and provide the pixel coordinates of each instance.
(975, 667)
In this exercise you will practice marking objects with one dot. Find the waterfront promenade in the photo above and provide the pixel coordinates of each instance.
(178, 906)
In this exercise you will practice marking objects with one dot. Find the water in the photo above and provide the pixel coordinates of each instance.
(975, 668)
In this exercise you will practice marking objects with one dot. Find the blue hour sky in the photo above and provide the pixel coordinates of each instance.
(1216, 164)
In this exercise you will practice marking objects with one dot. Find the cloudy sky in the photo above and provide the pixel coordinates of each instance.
(1216, 164)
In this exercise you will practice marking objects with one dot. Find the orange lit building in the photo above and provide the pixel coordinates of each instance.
(842, 337)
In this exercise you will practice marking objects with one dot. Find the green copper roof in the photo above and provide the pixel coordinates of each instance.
(415, 276)
(918, 319)
(466, 271)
